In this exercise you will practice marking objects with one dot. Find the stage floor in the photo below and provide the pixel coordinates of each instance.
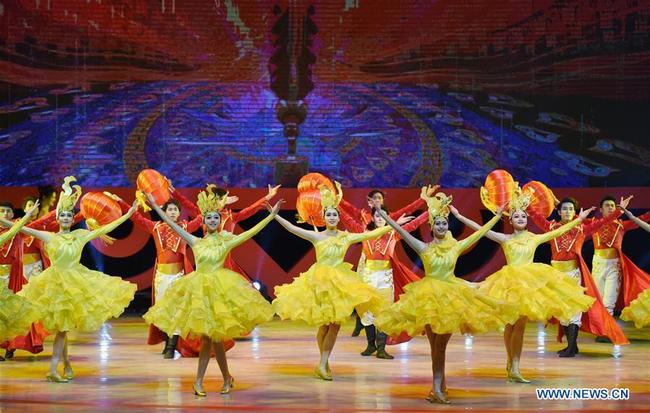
(116, 371)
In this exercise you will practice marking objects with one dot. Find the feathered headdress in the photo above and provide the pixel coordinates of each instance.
(438, 205)
(329, 199)
(209, 201)
(68, 198)
(519, 200)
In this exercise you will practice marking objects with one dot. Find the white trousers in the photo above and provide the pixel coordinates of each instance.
(162, 283)
(33, 269)
(382, 280)
(607, 275)
(574, 274)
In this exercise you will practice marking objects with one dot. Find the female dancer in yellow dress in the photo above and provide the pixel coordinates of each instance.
(441, 304)
(329, 290)
(16, 313)
(213, 302)
(639, 309)
(69, 295)
(539, 291)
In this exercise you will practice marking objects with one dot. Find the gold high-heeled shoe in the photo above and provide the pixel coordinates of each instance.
(228, 385)
(55, 378)
(516, 378)
(327, 368)
(199, 393)
(435, 398)
(68, 373)
(322, 375)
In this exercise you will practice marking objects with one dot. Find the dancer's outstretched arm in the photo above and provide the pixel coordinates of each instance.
(17, 226)
(350, 209)
(410, 224)
(239, 239)
(351, 223)
(311, 236)
(193, 211)
(637, 220)
(105, 229)
(41, 235)
(592, 225)
(191, 239)
(375, 233)
(413, 242)
(547, 236)
(256, 206)
(138, 219)
(473, 238)
(492, 235)
(417, 204)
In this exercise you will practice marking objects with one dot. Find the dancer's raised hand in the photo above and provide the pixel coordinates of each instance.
(584, 213)
(273, 191)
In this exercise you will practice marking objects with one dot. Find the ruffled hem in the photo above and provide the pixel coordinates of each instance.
(219, 304)
(77, 298)
(539, 291)
(16, 315)
(326, 294)
(639, 310)
(447, 307)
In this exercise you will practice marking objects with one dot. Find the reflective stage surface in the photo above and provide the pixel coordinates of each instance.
(116, 371)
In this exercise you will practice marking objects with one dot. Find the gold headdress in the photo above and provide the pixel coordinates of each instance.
(438, 204)
(209, 201)
(329, 199)
(68, 199)
(519, 200)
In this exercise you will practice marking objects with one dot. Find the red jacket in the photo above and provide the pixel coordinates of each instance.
(568, 247)
(634, 280)
(171, 248)
(383, 248)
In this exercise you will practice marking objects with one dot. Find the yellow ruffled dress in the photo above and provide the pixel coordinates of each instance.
(212, 301)
(16, 313)
(442, 301)
(639, 310)
(329, 290)
(70, 296)
(539, 291)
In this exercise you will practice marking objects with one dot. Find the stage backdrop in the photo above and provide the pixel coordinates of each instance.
(373, 93)
(392, 93)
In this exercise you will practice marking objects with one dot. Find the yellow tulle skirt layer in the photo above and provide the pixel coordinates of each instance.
(639, 310)
(219, 304)
(326, 294)
(447, 306)
(16, 315)
(539, 291)
(76, 298)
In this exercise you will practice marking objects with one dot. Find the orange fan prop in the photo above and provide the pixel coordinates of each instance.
(151, 181)
(542, 201)
(308, 203)
(98, 210)
(497, 190)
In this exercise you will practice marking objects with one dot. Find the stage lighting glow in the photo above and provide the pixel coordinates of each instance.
(257, 285)
(469, 340)
(541, 339)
